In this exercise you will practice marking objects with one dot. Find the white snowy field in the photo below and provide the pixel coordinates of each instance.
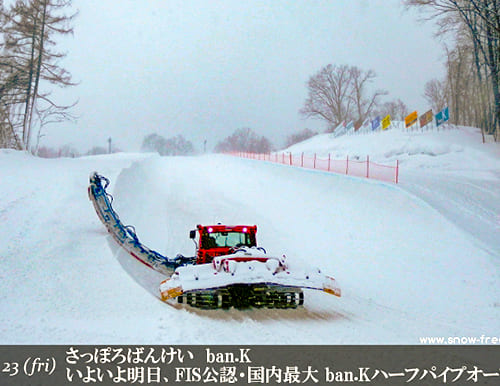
(416, 259)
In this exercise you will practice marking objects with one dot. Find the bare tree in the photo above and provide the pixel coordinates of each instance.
(244, 139)
(329, 93)
(28, 58)
(339, 93)
(8, 81)
(153, 143)
(177, 145)
(435, 94)
(364, 104)
(397, 109)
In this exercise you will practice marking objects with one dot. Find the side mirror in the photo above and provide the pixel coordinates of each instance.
(192, 234)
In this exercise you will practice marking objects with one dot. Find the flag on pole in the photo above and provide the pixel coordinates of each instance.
(411, 119)
(442, 116)
(426, 118)
(386, 122)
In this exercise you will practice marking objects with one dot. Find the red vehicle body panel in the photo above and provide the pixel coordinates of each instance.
(207, 249)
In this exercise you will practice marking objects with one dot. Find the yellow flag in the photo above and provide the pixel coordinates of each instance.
(386, 122)
(411, 119)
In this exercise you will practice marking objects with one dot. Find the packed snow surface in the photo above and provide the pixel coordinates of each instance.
(416, 259)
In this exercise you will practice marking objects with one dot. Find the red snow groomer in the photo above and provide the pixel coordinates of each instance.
(228, 269)
(231, 270)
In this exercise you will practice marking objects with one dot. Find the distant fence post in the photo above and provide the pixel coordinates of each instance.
(347, 165)
(302, 159)
(314, 166)
(397, 171)
(329, 161)
(367, 166)
(290, 159)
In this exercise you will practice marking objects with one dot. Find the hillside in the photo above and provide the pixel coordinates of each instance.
(415, 259)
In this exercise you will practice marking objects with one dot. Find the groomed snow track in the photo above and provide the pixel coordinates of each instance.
(124, 235)
(208, 286)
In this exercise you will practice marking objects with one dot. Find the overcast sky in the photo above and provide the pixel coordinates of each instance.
(204, 68)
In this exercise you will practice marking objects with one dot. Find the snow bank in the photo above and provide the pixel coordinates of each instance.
(413, 148)
(409, 258)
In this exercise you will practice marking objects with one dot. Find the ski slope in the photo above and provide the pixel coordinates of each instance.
(413, 260)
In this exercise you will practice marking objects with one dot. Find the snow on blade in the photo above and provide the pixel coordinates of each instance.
(124, 235)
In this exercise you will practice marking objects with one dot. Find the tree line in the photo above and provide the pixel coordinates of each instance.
(242, 139)
(29, 67)
(471, 87)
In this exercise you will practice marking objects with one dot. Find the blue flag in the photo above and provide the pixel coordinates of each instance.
(376, 123)
(442, 116)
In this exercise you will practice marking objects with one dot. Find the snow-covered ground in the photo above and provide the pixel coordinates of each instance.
(416, 259)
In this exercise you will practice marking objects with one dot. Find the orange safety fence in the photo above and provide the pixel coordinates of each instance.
(352, 167)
